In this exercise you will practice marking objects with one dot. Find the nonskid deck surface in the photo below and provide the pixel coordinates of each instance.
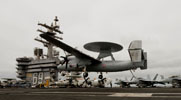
(91, 94)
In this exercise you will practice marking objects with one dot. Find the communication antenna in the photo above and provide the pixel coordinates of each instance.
(56, 20)
(52, 30)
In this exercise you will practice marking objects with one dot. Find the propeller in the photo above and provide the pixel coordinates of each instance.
(66, 60)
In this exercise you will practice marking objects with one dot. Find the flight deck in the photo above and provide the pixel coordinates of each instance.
(91, 94)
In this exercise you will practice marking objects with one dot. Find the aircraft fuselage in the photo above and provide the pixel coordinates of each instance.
(105, 66)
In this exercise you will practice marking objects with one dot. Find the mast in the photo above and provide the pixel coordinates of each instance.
(52, 30)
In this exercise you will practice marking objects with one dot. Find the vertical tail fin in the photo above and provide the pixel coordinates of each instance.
(162, 77)
(155, 77)
(148, 77)
(137, 55)
(126, 79)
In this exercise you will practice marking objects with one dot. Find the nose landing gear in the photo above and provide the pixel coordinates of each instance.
(85, 74)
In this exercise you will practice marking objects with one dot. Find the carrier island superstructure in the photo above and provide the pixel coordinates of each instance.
(43, 67)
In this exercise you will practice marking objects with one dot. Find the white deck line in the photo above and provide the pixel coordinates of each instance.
(142, 95)
(132, 94)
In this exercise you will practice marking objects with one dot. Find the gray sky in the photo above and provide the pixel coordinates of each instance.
(156, 22)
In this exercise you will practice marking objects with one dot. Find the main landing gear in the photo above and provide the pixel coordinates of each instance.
(100, 76)
(85, 74)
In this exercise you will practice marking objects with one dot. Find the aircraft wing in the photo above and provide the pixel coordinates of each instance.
(70, 49)
(124, 82)
(146, 81)
(152, 82)
(158, 82)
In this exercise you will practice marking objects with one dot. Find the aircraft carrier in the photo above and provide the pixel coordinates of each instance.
(43, 69)
(91, 94)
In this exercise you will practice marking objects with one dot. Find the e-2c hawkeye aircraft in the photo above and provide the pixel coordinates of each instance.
(79, 61)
